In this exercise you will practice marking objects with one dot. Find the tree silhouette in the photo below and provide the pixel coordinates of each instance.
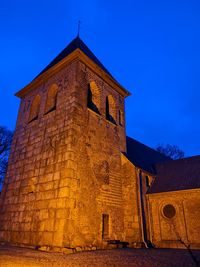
(172, 151)
(5, 144)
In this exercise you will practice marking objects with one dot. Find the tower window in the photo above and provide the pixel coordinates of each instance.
(147, 182)
(105, 226)
(121, 121)
(110, 109)
(93, 101)
(51, 99)
(34, 109)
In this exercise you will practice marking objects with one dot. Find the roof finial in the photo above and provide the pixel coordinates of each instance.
(79, 25)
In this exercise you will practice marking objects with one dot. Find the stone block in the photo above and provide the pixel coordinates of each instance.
(63, 213)
(47, 238)
(65, 182)
(71, 164)
(44, 214)
(78, 249)
(61, 203)
(63, 192)
(52, 203)
(56, 175)
(41, 204)
(68, 250)
(44, 248)
(59, 225)
(49, 225)
(58, 239)
(50, 194)
(70, 173)
(47, 178)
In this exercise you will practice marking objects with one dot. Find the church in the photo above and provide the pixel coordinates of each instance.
(76, 182)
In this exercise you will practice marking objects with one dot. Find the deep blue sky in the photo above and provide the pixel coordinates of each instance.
(151, 47)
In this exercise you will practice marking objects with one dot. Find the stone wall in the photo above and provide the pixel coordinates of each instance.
(36, 197)
(98, 159)
(65, 168)
(184, 224)
(131, 201)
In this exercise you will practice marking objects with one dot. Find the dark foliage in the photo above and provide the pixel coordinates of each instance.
(172, 151)
(5, 144)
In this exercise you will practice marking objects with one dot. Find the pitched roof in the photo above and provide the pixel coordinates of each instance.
(143, 156)
(75, 46)
(72, 46)
(177, 175)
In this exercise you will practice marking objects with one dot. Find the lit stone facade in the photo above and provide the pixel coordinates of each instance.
(65, 170)
(70, 185)
(174, 229)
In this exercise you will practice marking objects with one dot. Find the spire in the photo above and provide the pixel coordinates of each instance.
(73, 45)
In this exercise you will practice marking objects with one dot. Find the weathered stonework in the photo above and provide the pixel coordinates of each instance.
(70, 186)
(184, 226)
(65, 168)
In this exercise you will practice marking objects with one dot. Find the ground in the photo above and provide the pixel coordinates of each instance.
(24, 257)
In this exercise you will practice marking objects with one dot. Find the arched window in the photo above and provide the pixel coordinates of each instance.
(147, 181)
(110, 109)
(121, 118)
(93, 100)
(51, 98)
(34, 110)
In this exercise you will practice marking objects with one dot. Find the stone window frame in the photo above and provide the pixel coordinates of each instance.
(121, 117)
(147, 181)
(168, 204)
(111, 109)
(51, 99)
(34, 108)
(105, 226)
(93, 97)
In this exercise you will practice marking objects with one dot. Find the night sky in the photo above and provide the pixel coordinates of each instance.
(151, 47)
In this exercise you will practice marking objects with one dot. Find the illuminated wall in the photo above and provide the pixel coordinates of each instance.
(174, 217)
(65, 182)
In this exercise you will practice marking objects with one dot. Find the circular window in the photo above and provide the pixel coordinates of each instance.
(169, 211)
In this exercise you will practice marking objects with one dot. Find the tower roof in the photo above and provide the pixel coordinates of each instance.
(72, 46)
(75, 49)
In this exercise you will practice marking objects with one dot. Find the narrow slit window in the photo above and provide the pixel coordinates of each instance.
(147, 182)
(105, 226)
(121, 118)
(110, 109)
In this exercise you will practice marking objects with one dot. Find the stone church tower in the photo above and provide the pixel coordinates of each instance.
(64, 186)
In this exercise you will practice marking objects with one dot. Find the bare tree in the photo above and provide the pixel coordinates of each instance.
(184, 243)
(5, 144)
(172, 151)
